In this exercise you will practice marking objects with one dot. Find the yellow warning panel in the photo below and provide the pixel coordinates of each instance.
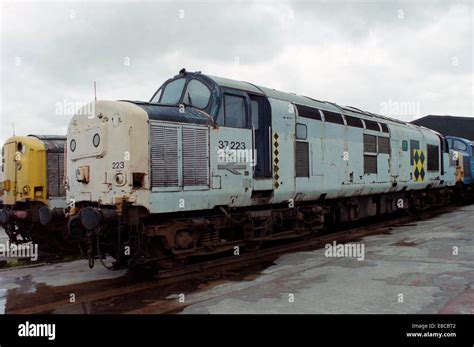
(276, 161)
(419, 167)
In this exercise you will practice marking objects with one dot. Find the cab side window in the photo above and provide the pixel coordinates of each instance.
(255, 111)
(232, 112)
(460, 146)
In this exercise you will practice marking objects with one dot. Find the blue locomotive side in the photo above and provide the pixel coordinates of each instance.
(464, 157)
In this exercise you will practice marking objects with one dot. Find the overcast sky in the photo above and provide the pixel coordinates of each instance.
(403, 59)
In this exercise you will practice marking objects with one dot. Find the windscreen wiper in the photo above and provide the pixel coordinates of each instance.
(190, 100)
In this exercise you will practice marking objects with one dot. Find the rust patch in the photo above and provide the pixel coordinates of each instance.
(404, 243)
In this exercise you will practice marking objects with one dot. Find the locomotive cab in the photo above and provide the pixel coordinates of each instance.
(228, 104)
(33, 175)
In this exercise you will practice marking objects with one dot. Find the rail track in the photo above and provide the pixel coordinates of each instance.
(162, 287)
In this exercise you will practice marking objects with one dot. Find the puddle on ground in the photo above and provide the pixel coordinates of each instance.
(130, 292)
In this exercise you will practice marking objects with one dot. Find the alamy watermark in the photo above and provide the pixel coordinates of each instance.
(70, 108)
(28, 329)
(346, 250)
(20, 251)
(228, 155)
(400, 108)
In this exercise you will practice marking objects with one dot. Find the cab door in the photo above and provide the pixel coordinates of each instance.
(9, 172)
(233, 170)
(261, 133)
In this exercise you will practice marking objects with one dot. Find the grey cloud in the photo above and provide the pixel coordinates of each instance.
(359, 53)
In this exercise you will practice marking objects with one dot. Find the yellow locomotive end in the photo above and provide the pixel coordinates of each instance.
(33, 188)
(24, 170)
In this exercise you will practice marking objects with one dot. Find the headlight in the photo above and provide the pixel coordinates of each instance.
(120, 179)
(72, 145)
(96, 140)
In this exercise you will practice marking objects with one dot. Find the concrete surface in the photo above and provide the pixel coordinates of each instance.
(411, 270)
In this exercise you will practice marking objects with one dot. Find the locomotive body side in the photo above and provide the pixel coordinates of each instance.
(206, 151)
(131, 171)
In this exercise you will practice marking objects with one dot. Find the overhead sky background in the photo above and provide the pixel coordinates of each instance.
(402, 59)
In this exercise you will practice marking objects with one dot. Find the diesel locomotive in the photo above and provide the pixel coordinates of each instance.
(33, 182)
(463, 151)
(210, 165)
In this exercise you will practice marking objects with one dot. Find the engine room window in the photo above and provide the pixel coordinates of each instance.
(433, 158)
(301, 159)
(371, 125)
(354, 122)
(332, 117)
(370, 143)
(254, 110)
(405, 145)
(172, 92)
(234, 111)
(308, 112)
(370, 164)
(384, 145)
(414, 144)
(301, 131)
(197, 94)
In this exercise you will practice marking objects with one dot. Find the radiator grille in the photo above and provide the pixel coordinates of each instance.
(164, 156)
(302, 159)
(195, 157)
(55, 172)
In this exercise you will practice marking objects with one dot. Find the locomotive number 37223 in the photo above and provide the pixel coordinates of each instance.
(231, 145)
